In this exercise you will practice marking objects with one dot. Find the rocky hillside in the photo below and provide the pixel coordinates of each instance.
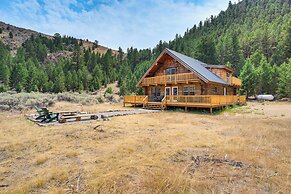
(14, 37)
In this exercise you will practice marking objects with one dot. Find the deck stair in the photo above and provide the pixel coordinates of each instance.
(153, 105)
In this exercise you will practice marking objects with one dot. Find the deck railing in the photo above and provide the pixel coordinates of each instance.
(167, 79)
(184, 100)
(135, 99)
(207, 99)
(235, 81)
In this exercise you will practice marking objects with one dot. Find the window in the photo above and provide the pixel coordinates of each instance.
(185, 90)
(214, 90)
(167, 91)
(174, 91)
(191, 90)
(188, 90)
(158, 91)
(171, 71)
(153, 91)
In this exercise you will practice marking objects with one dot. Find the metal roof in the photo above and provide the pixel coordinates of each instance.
(197, 67)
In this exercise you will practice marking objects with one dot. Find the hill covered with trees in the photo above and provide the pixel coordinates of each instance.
(252, 36)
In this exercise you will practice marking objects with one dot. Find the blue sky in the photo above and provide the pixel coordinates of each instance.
(113, 23)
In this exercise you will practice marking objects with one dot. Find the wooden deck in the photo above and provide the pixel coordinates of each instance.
(187, 101)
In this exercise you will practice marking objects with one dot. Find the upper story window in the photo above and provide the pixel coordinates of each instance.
(171, 71)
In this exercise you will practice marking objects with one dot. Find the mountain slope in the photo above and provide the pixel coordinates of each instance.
(14, 37)
(238, 32)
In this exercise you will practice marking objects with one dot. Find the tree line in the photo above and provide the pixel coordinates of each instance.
(260, 77)
(83, 71)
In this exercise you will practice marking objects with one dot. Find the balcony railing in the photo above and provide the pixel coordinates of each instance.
(170, 79)
(235, 81)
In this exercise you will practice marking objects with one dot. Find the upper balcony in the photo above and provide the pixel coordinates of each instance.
(170, 79)
(178, 78)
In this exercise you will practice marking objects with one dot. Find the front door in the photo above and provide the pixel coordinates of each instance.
(175, 93)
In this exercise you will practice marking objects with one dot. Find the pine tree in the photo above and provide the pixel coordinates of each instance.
(33, 76)
(249, 78)
(42, 81)
(264, 72)
(97, 77)
(19, 76)
(84, 77)
(284, 80)
(287, 41)
(4, 71)
(256, 58)
(205, 50)
(68, 81)
(74, 83)
(59, 83)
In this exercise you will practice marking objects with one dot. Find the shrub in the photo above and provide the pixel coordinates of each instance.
(10, 35)
(22, 101)
(109, 90)
(3, 88)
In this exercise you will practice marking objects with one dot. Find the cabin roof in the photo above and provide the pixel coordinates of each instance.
(198, 67)
(193, 65)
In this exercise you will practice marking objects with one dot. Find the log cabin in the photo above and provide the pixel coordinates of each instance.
(177, 80)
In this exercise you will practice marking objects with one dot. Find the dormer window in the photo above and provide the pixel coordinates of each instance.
(171, 71)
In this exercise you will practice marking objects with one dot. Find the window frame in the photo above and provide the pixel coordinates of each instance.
(171, 71)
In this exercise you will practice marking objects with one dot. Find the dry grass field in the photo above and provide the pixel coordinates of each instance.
(242, 150)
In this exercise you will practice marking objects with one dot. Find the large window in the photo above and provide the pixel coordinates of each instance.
(188, 90)
(171, 71)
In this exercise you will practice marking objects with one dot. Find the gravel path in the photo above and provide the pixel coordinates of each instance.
(125, 112)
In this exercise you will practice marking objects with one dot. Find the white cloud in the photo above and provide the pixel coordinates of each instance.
(134, 23)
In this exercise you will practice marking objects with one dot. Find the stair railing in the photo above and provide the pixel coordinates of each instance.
(163, 104)
(145, 101)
